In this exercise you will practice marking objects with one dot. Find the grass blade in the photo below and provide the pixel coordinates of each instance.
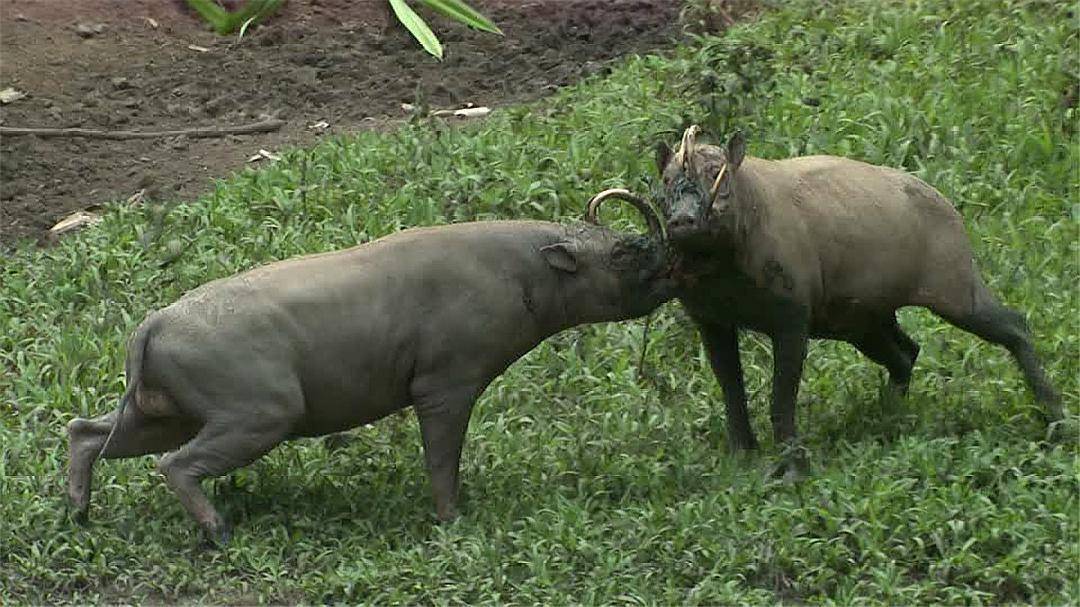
(459, 11)
(212, 13)
(253, 11)
(417, 27)
(225, 22)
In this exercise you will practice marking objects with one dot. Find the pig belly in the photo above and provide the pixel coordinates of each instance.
(336, 406)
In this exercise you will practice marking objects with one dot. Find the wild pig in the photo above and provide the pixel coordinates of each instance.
(319, 344)
(820, 247)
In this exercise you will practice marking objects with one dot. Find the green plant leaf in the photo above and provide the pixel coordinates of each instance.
(252, 12)
(417, 27)
(225, 22)
(212, 13)
(459, 11)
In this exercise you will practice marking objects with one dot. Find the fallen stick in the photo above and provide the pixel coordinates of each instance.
(257, 127)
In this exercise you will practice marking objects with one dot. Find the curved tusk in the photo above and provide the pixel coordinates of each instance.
(686, 147)
(715, 189)
(651, 218)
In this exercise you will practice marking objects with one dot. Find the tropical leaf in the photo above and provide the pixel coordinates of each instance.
(459, 11)
(417, 27)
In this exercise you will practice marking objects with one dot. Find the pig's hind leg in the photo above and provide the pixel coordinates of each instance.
(991, 320)
(225, 443)
(137, 434)
(887, 345)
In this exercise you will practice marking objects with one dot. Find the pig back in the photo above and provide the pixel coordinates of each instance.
(352, 328)
(871, 227)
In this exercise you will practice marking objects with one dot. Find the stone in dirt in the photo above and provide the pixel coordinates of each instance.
(88, 30)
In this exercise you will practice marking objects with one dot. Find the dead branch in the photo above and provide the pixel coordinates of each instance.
(265, 126)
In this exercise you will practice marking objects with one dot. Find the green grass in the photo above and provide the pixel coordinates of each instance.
(581, 483)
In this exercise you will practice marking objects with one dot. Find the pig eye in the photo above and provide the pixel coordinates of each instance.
(621, 255)
(725, 188)
(626, 254)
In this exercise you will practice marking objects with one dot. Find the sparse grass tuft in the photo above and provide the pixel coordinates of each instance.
(581, 483)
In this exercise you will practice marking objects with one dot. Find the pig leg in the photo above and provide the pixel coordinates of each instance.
(904, 341)
(994, 322)
(889, 347)
(722, 344)
(138, 435)
(222, 445)
(789, 353)
(443, 418)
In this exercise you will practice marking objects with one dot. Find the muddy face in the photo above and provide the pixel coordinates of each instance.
(637, 267)
(642, 271)
(697, 185)
(685, 204)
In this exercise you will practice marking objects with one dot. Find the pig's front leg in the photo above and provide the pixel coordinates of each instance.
(444, 416)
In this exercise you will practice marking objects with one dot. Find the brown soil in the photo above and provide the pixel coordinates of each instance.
(103, 64)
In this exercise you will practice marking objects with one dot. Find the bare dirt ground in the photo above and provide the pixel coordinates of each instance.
(133, 65)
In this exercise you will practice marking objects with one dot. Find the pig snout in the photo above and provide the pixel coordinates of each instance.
(682, 225)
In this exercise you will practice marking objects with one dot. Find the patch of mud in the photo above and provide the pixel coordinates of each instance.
(103, 64)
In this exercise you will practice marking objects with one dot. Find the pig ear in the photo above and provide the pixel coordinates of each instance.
(663, 156)
(560, 256)
(736, 149)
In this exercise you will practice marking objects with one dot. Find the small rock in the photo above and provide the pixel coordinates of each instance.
(120, 83)
(9, 94)
(88, 30)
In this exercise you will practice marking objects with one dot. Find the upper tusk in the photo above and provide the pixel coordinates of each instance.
(715, 189)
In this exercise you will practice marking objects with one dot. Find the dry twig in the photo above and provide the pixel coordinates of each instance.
(265, 126)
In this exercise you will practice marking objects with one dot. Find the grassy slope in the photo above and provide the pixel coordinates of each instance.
(581, 483)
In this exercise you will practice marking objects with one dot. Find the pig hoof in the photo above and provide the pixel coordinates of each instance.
(81, 515)
(892, 393)
(738, 446)
(787, 472)
(793, 467)
(1060, 430)
(333, 442)
(794, 475)
(448, 516)
(218, 538)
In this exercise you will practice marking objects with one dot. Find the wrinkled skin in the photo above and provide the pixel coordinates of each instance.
(323, 343)
(820, 247)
